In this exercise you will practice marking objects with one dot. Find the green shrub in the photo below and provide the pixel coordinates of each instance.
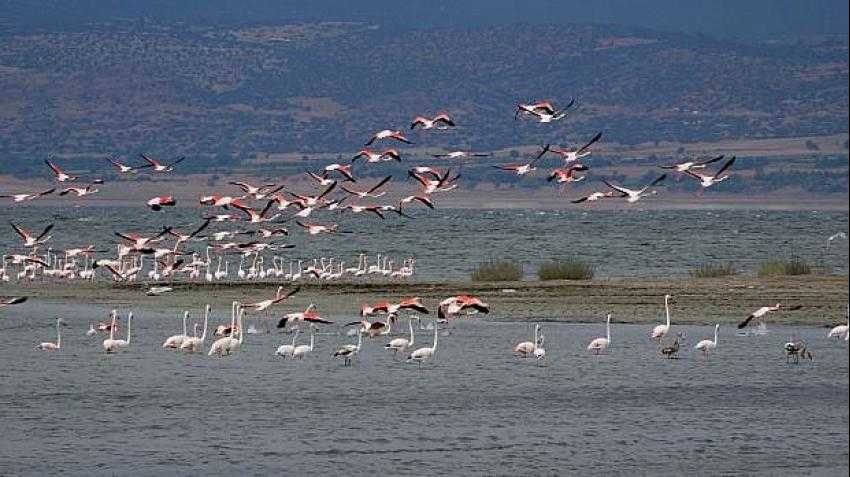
(795, 266)
(569, 269)
(713, 270)
(497, 272)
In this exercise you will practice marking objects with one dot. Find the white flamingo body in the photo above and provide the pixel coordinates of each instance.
(425, 353)
(48, 346)
(175, 341)
(601, 344)
(660, 331)
(707, 346)
(194, 344)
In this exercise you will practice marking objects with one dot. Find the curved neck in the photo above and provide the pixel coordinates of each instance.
(715, 334)
(608, 328)
(58, 335)
(312, 339)
(206, 323)
(667, 310)
(129, 323)
(410, 325)
(185, 317)
(241, 330)
(434, 347)
(112, 326)
(536, 331)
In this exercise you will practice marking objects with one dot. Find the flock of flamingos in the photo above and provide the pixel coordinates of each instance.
(253, 215)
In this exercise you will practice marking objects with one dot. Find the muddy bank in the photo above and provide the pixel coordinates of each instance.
(704, 301)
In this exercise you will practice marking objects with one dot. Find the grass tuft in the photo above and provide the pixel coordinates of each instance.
(497, 271)
(569, 269)
(775, 268)
(713, 270)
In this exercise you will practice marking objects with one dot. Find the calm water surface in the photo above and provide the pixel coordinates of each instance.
(473, 411)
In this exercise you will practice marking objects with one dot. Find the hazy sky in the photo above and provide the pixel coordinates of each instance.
(725, 18)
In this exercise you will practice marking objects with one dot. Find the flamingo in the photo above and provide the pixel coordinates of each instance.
(113, 345)
(287, 350)
(17, 300)
(526, 348)
(157, 203)
(91, 331)
(461, 154)
(402, 344)
(158, 166)
(563, 176)
(841, 330)
(425, 353)
(633, 195)
(763, 311)
(302, 350)
(684, 167)
(596, 196)
(388, 134)
(371, 192)
(176, 341)
(81, 191)
(601, 344)
(61, 176)
(660, 331)
(229, 344)
(122, 168)
(257, 192)
(195, 344)
(573, 156)
(29, 239)
(708, 346)
(27, 196)
(440, 121)
(373, 157)
(716, 178)
(347, 352)
(343, 169)
(48, 346)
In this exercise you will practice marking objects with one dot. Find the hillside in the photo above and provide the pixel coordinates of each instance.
(229, 96)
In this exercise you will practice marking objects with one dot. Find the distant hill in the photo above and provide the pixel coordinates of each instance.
(230, 94)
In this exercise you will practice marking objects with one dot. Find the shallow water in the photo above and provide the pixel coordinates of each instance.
(474, 410)
(449, 243)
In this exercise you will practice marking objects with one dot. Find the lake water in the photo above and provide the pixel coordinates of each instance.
(449, 243)
(475, 410)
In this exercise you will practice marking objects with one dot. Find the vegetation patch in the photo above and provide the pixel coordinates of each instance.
(568, 269)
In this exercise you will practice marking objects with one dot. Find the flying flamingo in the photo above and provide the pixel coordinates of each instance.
(765, 310)
(707, 180)
(601, 344)
(48, 346)
(17, 300)
(573, 156)
(440, 121)
(373, 157)
(371, 192)
(61, 176)
(688, 166)
(27, 196)
(388, 134)
(32, 240)
(633, 195)
(157, 203)
(158, 166)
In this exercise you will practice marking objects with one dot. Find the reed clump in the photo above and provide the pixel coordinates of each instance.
(775, 268)
(565, 269)
(714, 270)
(497, 271)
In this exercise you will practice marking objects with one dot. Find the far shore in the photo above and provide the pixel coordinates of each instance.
(727, 301)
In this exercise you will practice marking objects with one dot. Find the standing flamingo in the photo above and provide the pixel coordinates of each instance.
(660, 331)
(526, 348)
(601, 344)
(707, 346)
(195, 344)
(401, 344)
(422, 354)
(48, 346)
(175, 341)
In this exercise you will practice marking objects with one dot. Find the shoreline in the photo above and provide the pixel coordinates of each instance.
(696, 301)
